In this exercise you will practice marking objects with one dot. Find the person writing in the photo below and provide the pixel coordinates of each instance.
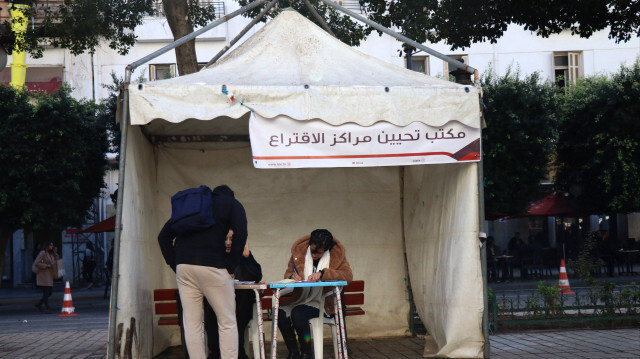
(45, 266)
(314, 257)
(204, 269)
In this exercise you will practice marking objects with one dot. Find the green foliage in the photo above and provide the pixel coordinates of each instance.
(533, 307)
(587, 262)
(80, 25)
(608, 298)
(599, 142)
(463, 22)
(52, 155)
(457, 23)
(629, 299)
(551, 296)
(518, 141)
(343, 26)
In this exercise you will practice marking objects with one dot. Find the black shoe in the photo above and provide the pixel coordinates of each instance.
(39, 306)
(306, 356)
(293, 355)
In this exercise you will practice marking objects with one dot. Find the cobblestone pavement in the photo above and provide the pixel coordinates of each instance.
(27, 334)
(587, 344)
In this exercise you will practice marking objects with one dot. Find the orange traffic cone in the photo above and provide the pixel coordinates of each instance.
(563, 283)
(67, 303)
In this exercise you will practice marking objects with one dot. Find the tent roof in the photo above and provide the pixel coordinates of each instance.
(294, 68)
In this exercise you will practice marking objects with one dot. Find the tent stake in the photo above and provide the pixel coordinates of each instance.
(453, 62)
(241, 34)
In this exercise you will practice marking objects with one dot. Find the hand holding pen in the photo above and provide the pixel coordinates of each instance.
(295, 276)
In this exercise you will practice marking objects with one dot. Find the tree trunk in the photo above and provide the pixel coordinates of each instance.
(5, 235)
(177, 13)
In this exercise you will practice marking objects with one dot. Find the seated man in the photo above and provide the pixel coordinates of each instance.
(315, 257)
(247, 270)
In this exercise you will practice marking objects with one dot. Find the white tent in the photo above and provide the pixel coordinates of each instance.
(185, 132)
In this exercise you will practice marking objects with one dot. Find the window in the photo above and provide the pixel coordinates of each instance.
(161, 71)
(567, 67)
(353, 5)
(420, 64)
(217, 5)
(445, 65)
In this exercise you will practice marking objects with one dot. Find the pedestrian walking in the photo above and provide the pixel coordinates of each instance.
(45, 268)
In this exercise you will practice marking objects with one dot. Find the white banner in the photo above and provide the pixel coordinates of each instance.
(282, 142)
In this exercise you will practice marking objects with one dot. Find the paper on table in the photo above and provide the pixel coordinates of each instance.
(286, 281)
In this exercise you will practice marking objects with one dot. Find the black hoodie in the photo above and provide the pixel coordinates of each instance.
(206, 248)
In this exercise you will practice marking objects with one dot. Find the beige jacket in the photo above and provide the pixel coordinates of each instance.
(46, 264)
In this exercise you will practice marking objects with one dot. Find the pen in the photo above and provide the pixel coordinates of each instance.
(294, 269)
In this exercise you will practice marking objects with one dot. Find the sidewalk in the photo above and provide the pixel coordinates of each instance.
(588, 344)
(27, 334)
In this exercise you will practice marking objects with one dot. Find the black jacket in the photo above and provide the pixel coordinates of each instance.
(206, 248)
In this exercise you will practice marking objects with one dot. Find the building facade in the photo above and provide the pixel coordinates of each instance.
(561, 57)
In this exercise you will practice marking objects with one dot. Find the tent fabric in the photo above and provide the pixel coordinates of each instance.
(374, 211)
(443, 254)
(307, 76)
(108, 225)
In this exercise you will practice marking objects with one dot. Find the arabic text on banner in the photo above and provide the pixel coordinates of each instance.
(282, 142)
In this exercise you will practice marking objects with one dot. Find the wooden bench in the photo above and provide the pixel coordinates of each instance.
(166, 307)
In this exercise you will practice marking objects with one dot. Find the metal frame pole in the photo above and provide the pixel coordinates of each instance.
(115, 276)
(318, 17)
(242, 33)
(195, 34)
(453, 62)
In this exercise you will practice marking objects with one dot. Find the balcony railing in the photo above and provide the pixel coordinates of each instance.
(217, 5)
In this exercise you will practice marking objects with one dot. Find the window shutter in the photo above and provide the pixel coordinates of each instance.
(574, 66)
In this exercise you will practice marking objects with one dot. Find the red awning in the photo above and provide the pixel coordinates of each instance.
(108, 225)
(553, 205)
(38, 79)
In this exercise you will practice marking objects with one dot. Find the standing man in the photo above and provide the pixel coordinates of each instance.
(203, 269)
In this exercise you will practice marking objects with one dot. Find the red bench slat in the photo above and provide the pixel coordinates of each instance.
(166, 304)
(168, 320)
(164, 295)
(355, 286)
(166, 308)
(354, 298)
(354, 311)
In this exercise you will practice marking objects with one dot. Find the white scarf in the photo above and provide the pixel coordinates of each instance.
(309, 293)
(308, 263)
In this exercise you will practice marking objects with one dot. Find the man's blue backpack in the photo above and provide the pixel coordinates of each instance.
(191, 210)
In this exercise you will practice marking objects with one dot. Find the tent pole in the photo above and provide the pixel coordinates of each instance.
(483, 262)
(318, 17)
(113, 302)
(453, 62)
(241, 34)
(194, 34)
(404, 252)
(483, 253)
